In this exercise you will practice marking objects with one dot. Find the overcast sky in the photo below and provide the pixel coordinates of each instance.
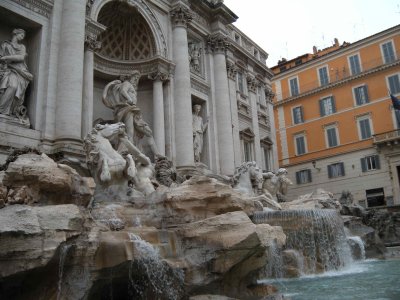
(290, 28)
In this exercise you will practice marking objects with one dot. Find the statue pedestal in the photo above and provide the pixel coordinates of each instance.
(13, 134)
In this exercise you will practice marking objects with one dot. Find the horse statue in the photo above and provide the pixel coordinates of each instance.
(109, 167)
(276, 184)
(248, 178)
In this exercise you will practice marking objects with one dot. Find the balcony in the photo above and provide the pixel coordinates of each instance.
(389, 138)
(342, 75)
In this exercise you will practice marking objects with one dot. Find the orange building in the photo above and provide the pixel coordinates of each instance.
(336, 126)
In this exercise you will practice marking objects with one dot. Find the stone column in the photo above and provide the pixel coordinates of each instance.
(232, 71)
(217, 44)
(91, 45)
(180, 17)
(158, 110)
(70, 73)
(252, 85)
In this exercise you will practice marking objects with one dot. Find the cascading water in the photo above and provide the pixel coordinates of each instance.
(63, 254)
(164, 285)
(317, 235)
(357, 244)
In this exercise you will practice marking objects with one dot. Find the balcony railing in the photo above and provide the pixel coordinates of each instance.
(388, 137)
(343, 73)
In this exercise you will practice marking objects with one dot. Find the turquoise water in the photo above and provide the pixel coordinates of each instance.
(366, 280)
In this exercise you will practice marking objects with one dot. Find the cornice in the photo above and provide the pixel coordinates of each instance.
(42, 7)
(145, 67)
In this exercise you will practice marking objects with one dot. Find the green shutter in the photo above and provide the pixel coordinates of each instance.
(329, 171)
(377, 162)
(363, 164)
(321, 108)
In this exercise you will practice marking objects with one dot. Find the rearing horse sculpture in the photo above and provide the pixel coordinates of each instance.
(108, 165)
(248, 178)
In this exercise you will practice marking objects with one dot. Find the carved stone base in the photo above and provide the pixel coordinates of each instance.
(15, 121)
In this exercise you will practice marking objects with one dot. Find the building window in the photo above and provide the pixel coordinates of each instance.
(298, 62)
(298, 115)
(266, 153)
(303, 176)
(331, 136)
(336, 170)
(240, 82)
(327, 106)
(294, 87)
(375, 197)
(355, 66)
(247, 144)
(394, 84)
(323, 76)
(370, 163)
(248, 151)
(364, 128)
(300, 142)
(361, 94)
(388, 52)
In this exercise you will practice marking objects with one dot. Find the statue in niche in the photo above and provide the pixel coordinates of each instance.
(276, 184)
(121, 97)
(198, 131)
(14, 77)
(194, 57)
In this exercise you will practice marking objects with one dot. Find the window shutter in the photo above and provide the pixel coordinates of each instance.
(333, 104)
(363, 164)
(358, 96)
(298, 177)
(321, 108)
(377, 162)
(329, 171)
(342, 169)
(301, 114)
(309, 175)
(366, 93)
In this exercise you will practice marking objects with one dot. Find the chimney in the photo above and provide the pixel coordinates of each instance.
(314, 49)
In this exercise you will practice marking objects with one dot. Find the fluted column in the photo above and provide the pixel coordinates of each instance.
(70, 72)
(217, 44)
(91, 45)
(158, 110)
(180, 17)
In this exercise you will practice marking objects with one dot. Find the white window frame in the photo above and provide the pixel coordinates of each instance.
(290, 87)
(305, 143)
(359, 61)
(355, 96)
(336, 175)
(293, 115)
(327, 72)
(328, 127)
(387, 81)
(394, 50)
(361, 118)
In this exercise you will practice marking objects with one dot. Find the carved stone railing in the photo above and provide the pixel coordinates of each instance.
(387, 138)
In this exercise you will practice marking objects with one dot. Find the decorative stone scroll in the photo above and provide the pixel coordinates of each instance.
(231, 69)
(252, 83)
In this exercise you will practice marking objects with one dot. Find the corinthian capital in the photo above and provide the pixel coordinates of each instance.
(158, 75)
(217, 43)
(91, 42)
(181, 16)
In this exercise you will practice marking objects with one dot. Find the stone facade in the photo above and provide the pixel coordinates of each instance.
(187, 52)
